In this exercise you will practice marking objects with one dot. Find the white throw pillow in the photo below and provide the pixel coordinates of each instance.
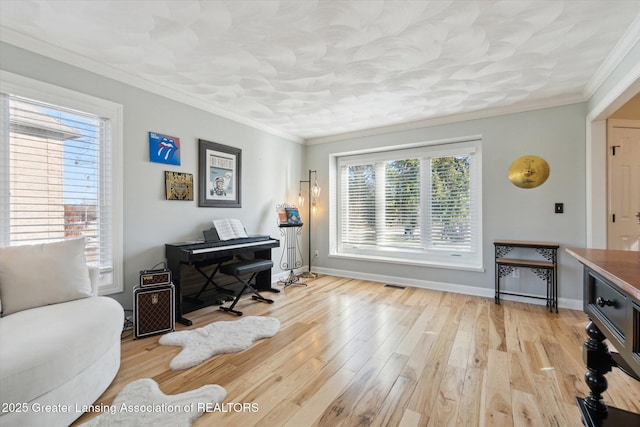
(49, 273)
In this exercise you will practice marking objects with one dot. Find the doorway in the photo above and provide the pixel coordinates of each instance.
(623, 184)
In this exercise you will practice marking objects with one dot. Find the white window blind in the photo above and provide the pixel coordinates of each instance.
(56, 176)
(419, 204)
(383, 202)
(451, 213)
(401, 203)
(359, 196)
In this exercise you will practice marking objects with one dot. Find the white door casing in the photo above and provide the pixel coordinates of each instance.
(623, 189)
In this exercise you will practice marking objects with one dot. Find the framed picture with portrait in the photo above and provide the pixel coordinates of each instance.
(220, 175)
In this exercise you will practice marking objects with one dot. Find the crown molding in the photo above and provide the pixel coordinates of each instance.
(453, 118)
(43, 48)
(625, 88)
(628, 40)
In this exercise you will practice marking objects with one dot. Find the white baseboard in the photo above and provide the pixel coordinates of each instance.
(571, 304)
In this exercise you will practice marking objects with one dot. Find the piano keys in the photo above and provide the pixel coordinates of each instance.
(214, 253)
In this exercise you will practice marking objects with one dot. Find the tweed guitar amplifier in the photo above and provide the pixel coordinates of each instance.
(155, 277)
(154, 310)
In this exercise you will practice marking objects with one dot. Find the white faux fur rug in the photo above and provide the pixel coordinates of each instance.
(218, 337)
(143, 403)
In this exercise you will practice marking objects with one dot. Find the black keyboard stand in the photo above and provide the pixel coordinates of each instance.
(209, 281)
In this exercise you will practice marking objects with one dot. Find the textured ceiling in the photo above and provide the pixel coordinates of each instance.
(317, 68)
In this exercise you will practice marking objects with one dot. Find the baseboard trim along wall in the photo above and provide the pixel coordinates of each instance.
(571, 304)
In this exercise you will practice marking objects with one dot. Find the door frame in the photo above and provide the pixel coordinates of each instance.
(614, 123)
(596, 156)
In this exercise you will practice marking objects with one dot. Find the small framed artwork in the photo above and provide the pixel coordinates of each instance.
(293, 216)
(164, 149)
(282, 215)
(220, 175)
(178, 185)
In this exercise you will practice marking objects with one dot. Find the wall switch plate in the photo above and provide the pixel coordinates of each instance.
(559, 208)
(315, 253)
(516, 273)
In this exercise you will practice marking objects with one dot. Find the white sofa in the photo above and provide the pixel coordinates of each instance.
(55, 358)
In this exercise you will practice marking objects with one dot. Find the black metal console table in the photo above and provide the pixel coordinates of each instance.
(546, 270)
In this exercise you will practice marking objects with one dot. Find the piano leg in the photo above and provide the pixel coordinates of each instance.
(178, 301)
(184, 321)
(263, 279)
(263, 282)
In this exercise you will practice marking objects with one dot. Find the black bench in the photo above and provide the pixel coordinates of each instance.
(242, 268)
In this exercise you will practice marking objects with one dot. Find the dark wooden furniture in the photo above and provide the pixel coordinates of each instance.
(199, 255)
(546, 270)
(611, 300)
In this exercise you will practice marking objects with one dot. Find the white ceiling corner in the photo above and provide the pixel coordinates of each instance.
(315, 70)
(629, 39)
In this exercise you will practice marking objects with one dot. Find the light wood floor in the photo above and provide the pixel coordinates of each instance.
(353, 352)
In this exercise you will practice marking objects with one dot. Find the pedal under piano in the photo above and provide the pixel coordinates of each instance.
(205, 258)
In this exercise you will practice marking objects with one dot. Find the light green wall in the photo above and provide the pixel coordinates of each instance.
(556, 134)
(270, 169)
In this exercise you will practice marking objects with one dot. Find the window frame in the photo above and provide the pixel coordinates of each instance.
(110, 280)
(442, 258)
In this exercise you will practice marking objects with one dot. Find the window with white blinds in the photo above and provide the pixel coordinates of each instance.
(57, 178)
(418, 205)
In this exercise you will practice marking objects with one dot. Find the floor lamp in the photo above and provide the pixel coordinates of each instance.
(314, 193)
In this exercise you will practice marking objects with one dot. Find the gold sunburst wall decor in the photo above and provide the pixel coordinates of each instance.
(528, 171)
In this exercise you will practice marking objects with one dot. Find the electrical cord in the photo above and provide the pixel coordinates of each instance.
(164, 265)
(128, 323)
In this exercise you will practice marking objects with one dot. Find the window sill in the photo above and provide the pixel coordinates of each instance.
(405, 261)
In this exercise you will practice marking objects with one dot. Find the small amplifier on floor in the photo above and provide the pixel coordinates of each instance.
(155, 277)
(153, 310)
